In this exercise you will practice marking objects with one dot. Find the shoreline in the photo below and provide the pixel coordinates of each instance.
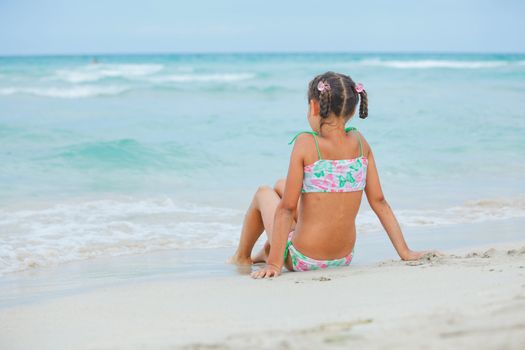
(475, 299)
(77, 277)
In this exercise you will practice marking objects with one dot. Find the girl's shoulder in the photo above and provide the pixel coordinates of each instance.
(305, 143)
(362, 139)
(366, 146)
(301, 136)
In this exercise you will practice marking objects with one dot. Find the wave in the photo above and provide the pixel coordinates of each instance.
(469, 213)
(222, 77)
(97, 72)
(78, 231)
(117, 152)
(429, 64)
(122, 226)
(147, 72)
(120, 154)
(83, 82)
(81, 91)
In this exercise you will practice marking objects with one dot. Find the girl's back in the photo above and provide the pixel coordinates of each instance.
(332, 191)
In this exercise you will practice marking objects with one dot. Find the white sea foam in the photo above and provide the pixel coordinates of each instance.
(470, 212)
(222, 77)
(77, 231)
(429, 64)
(82, 82)
(88, 229)
(95, 72)
(66, 92)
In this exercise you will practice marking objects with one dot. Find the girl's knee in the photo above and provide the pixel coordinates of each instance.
(262, 192)
(279, 184)
(263, 189)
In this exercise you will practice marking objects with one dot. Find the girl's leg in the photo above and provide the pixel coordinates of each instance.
(279, 188)
(257, 219)
(263, 253)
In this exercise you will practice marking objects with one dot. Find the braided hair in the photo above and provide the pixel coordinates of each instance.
(340, 97)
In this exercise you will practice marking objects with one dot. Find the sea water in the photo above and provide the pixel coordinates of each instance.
(120, 155)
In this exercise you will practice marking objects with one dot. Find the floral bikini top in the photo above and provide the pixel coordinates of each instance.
(340, 175)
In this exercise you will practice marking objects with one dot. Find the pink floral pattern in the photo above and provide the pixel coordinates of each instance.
(343, 175)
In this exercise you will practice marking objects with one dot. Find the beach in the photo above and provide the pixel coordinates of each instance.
(470, 299)
(125, 182)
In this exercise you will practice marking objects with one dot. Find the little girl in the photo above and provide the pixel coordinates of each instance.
(310, 220)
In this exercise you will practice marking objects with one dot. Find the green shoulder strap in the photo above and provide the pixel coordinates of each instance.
(353, 128)
(315, 139)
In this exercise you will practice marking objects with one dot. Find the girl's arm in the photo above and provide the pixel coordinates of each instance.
(284, 214)
(380, 206)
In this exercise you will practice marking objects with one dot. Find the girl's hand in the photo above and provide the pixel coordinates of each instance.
(267, 271)
(412, 255)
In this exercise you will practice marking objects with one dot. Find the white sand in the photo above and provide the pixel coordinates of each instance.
(452, 302)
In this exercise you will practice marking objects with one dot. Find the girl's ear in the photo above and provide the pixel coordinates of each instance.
(314, 107)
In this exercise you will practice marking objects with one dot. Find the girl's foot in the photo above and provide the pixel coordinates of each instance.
(238, 260)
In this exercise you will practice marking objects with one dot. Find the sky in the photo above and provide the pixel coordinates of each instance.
(44, 27)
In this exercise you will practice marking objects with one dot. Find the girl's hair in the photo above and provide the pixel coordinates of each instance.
(340, 98)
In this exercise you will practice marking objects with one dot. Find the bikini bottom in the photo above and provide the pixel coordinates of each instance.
(301, 262)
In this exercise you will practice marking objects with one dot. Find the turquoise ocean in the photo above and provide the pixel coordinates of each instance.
(139, 153)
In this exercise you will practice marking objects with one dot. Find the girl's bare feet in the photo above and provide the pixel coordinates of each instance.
(238, 260)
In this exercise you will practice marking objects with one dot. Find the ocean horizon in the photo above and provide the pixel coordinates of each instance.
(260, 52)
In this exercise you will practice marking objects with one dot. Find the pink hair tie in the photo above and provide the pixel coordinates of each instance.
(359, 88)
(323, 86)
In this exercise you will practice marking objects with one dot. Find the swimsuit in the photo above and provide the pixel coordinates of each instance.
(301, 262)
(327, 175)
(341, 175)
